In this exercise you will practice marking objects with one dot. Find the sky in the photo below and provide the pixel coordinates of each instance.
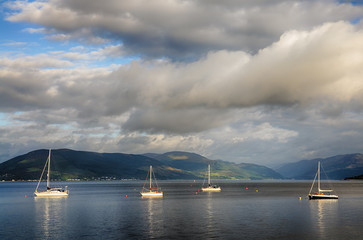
(260, 81)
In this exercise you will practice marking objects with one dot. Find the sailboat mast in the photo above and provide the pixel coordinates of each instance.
(48, 175)
(319, 176)
(208, 174)
(151, 169)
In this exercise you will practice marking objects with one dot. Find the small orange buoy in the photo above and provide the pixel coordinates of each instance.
(125, 195)
(25, 196)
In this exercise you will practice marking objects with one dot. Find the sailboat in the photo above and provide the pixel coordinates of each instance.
(321, 194)
(153, 191)
(211, 188)
(50, 192)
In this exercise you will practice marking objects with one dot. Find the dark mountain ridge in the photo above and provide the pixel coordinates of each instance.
(336, 167)
(70, 164)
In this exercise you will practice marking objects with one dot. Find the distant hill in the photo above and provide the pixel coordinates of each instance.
(336, 167)
(183, 160)
(197, 165)
(71, 164)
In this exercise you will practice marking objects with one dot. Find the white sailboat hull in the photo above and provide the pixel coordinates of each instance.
(321, 196)
(211, 189)
(51, 193)
(151, 194)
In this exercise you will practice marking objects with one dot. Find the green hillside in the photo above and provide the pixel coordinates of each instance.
(69, 164)
(197, 165)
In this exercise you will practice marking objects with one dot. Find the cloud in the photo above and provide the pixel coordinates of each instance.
(255, 81)
(114, 51)
(264, 132)
(34, 30)
(34, 62)
(180, 29)
(175, 121)
(11, 44)
(303, 68)
(160, 143)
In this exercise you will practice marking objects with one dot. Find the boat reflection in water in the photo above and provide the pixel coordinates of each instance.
(50, 216)
(155, 213)
(210, 220)
(324, 214)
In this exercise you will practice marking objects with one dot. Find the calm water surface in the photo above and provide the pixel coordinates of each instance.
(243, 210)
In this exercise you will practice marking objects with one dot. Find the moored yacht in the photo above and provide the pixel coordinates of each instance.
(50, 192)
(320, 194)
(154, 191)
(211, 187)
